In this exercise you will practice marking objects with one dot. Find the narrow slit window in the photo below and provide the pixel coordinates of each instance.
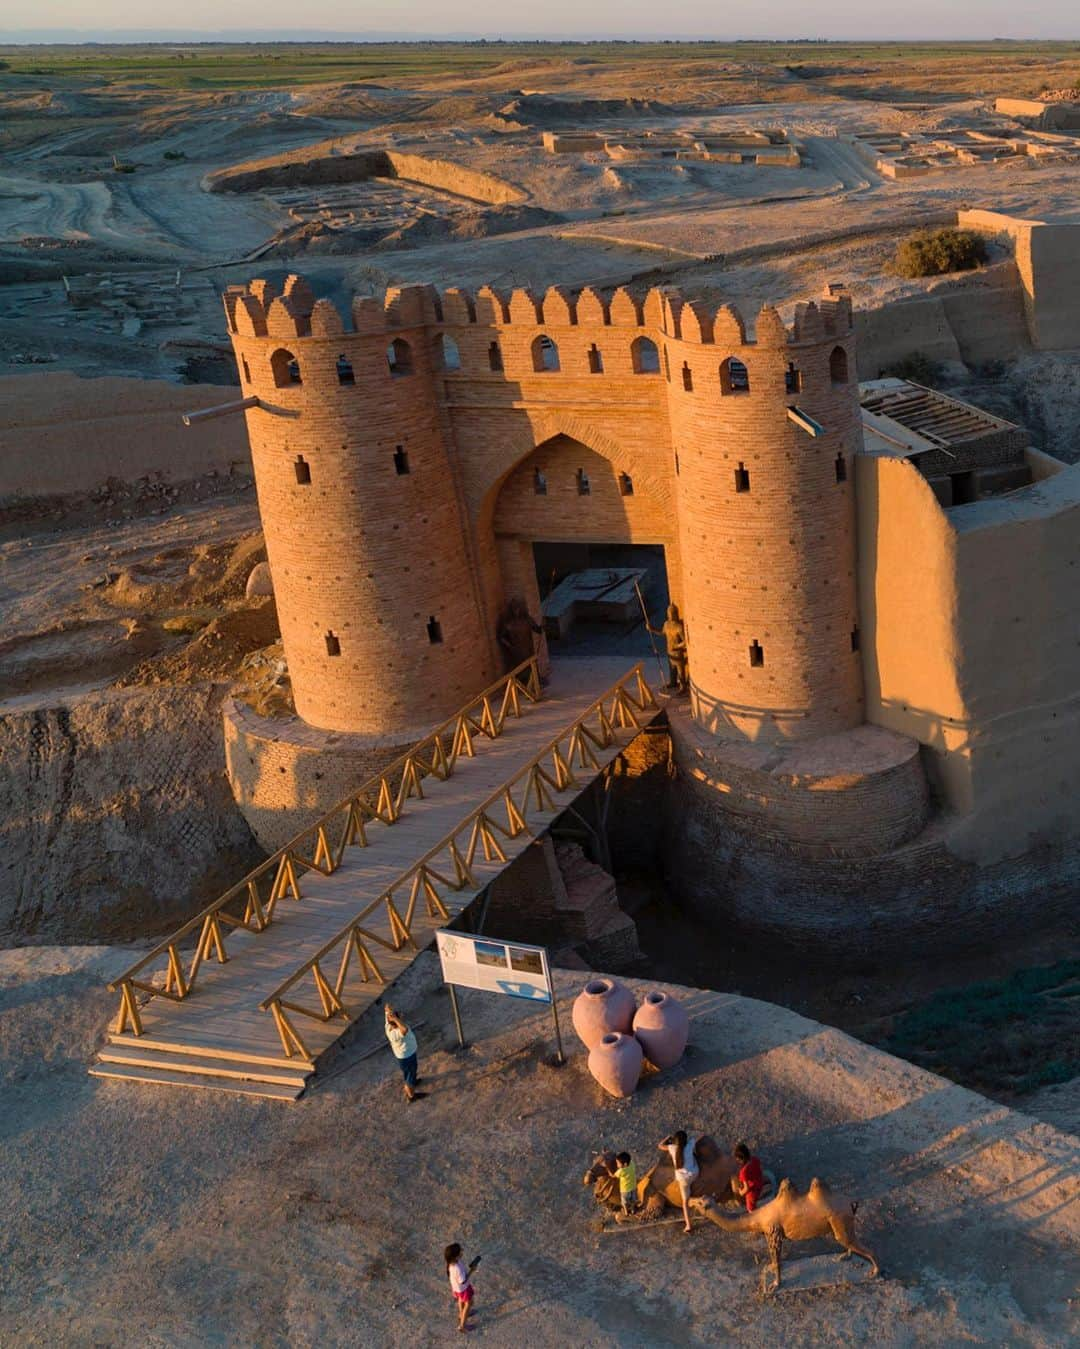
(401, 461)
(333, 644)
(302, 470)
(495, 360)
(757, 653)
(667, 366)
(584, 487)
(841, 468)
(345, 372)
(539, 483)
(676, 464)
(434, 631)
(626, 485)
(855, 638)
(792, 378)
(742, 478)
(596, 361)
(687, 377)
(247, 369)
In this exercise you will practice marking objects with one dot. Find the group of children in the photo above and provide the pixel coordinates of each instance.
(680, 1148)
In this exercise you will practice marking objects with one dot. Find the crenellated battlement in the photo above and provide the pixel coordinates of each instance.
(261, 310)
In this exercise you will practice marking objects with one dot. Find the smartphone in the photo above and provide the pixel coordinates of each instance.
(473, 1263)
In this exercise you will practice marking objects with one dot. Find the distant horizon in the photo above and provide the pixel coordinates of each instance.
(250, 37)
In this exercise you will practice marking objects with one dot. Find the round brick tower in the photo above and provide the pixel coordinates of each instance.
(765, 434)
(379, 611)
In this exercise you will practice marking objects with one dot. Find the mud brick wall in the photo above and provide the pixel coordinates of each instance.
(569, 417)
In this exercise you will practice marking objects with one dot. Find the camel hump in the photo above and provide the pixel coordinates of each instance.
(706, 1149)
(786, 1187)
(819, 1187)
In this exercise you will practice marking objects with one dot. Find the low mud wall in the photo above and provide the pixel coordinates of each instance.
(116, 820)
(335, 161)
(61, 434)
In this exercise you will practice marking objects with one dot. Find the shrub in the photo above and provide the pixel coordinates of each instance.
(934, 252)
(918, 368)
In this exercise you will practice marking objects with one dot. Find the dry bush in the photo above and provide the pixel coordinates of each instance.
(934, 252)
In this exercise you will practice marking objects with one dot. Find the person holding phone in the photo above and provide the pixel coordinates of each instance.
(460, 1276)
(403, 1043)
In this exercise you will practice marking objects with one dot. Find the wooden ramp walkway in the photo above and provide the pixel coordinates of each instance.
(248, 994)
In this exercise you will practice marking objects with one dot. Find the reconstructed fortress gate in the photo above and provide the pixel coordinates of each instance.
(405, 468)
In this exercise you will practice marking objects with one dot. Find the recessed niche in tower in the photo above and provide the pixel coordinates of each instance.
(644, 356)
(302, 469)
(596, 361)
(399, 357)
(757, 653)
(345, 371)
(584, 487)
(401, 460)
(838, 366)
(687, 377)
(841, 468)
(539, 483)
(792, 378)
(626, 485)
(495, 360)
(742, 478)
(434, 630)
(734, 376)
(855, 639)
(333, 644)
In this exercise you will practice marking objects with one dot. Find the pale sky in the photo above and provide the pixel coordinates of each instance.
(926, 19)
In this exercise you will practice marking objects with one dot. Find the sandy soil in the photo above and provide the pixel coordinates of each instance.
(195, 1218)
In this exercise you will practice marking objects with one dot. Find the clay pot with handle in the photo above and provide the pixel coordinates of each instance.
(602, 1005)
(662, 1027)
(616, 1063)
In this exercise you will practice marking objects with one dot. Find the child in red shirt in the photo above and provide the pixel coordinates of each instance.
(750, 1182)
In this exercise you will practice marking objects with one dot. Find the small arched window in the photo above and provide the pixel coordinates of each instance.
(345, 371)
(286, 368)
(495, 360)
(545, 354)
(399, 357)
(449, 357)
(645, 357)
(838, 366)
(734, 376)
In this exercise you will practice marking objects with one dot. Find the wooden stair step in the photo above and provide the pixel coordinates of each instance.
(138, 1057)
(210, 1051)
(159, 1077)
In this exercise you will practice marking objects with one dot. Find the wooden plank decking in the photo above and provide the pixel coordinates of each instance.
(217, 1036)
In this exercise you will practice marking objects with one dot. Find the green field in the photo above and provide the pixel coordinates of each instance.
(269, 66)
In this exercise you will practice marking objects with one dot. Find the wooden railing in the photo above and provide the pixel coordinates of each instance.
(449, 864)
(321, 846)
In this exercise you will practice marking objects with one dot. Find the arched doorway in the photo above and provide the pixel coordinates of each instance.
(574, 527)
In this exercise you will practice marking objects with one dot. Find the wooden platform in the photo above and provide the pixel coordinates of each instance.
(217, 1037)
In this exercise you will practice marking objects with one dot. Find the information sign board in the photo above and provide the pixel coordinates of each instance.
(495, 966)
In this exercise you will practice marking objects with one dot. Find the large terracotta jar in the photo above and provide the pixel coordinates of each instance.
(662, 1027)
(602, 1005)
(616, 1063)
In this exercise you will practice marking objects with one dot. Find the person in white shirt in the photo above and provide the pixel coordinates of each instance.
(680, 1148)
(403, 1043)
(460, 1276)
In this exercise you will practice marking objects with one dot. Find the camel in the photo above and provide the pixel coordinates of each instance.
(798, 1217)
(657, 1187)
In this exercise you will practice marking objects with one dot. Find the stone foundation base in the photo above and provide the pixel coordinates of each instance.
(284, 774)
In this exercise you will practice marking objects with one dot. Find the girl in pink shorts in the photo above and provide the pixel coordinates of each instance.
(460, 1276)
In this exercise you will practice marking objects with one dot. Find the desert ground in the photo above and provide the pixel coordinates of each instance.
(198, 1218)
(124, 622)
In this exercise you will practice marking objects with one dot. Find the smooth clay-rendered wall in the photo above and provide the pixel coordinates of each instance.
(973, 647)
(60, 433)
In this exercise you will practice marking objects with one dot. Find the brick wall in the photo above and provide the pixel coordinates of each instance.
(629, 391)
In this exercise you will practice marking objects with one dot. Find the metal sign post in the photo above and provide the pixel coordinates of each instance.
(510, 968)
